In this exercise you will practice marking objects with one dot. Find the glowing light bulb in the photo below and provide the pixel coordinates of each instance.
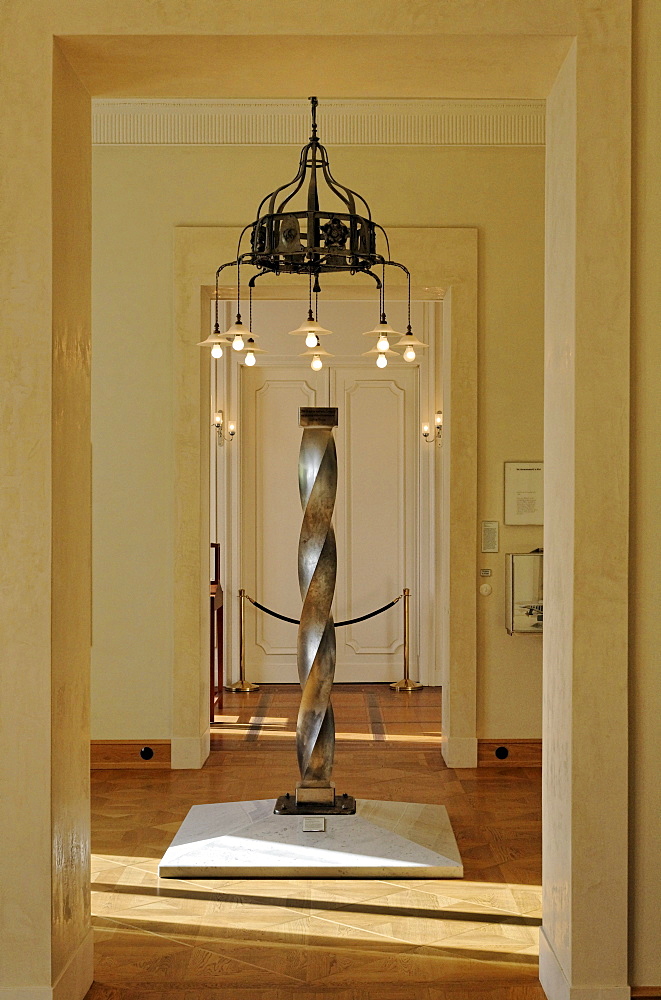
(311, 340)
(409, 354)
(237, 343)
(231, 429)
(216, 351)
(381, 361)
(425, 430)
(382, 343)
(316, 364)
(250, 359)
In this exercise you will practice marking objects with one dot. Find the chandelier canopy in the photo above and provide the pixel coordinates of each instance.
(314, 225)
(312, 239)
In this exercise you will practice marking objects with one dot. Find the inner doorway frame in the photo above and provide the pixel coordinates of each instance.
(444, 261)
(227, 490)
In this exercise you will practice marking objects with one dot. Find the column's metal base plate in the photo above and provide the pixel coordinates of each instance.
(406, 685)
(242, 687)
(286, 805)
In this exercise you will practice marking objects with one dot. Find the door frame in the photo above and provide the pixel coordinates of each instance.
(226, 386)
(444, 262)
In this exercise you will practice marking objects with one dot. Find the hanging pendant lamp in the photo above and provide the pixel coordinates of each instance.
(311, 226)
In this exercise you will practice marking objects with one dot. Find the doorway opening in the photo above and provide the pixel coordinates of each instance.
(386, 514)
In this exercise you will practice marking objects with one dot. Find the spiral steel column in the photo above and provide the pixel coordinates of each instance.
(317, 569)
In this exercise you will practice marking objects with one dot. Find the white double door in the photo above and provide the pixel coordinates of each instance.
(376, 514)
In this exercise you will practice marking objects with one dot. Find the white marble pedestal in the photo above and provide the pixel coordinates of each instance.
(382, 840)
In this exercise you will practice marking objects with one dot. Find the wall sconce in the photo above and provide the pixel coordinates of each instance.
(438, 429)
(219, 425)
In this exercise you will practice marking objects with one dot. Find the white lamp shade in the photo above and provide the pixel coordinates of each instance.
(311, 351)
(250, 345)
(382, 329)
(375, 351)
(239, 330)
(213, 339)
(410, 340)
(310, 326)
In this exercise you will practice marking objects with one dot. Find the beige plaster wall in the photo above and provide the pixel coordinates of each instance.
(46, 542)
(25, 452)
(644, 581)
(140, 194)
(25, 304)
(586, 530)
(71, 502)
(559, 487)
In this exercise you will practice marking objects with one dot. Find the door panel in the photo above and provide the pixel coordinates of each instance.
(375, 514)
(271, 510)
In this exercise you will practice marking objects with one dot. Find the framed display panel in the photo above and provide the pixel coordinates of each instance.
(524, 493)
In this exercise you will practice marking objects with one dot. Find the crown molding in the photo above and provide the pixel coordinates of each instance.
(270, 122)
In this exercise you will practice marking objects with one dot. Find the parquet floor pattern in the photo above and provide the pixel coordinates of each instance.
(364, 713)
(172, 939)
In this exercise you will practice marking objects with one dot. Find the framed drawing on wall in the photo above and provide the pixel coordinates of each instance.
(524, 493)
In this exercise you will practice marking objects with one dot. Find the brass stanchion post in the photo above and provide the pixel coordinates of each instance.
(406, 684)
(242, 685)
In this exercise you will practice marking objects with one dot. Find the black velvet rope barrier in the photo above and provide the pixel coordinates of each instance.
(349, 621)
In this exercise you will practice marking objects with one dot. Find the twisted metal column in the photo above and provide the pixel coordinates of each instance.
(317, 569)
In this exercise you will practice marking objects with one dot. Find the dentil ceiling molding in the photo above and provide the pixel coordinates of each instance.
(277, 122)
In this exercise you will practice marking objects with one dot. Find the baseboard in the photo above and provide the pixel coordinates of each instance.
(190, 751)
(649, 992)
(459, 751)
(27, 993)
(520, 753)
(78, 975)
(73, 983)
(556, 987)
(126, 754)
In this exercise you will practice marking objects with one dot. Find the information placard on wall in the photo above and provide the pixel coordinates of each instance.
(524, 493)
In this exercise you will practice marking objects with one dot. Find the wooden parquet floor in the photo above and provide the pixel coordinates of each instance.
(364, 713)
(260, 939)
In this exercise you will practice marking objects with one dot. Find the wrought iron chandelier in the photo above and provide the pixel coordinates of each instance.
(298, 236)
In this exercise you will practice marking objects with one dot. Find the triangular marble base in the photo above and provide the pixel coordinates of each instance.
(246, 840)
